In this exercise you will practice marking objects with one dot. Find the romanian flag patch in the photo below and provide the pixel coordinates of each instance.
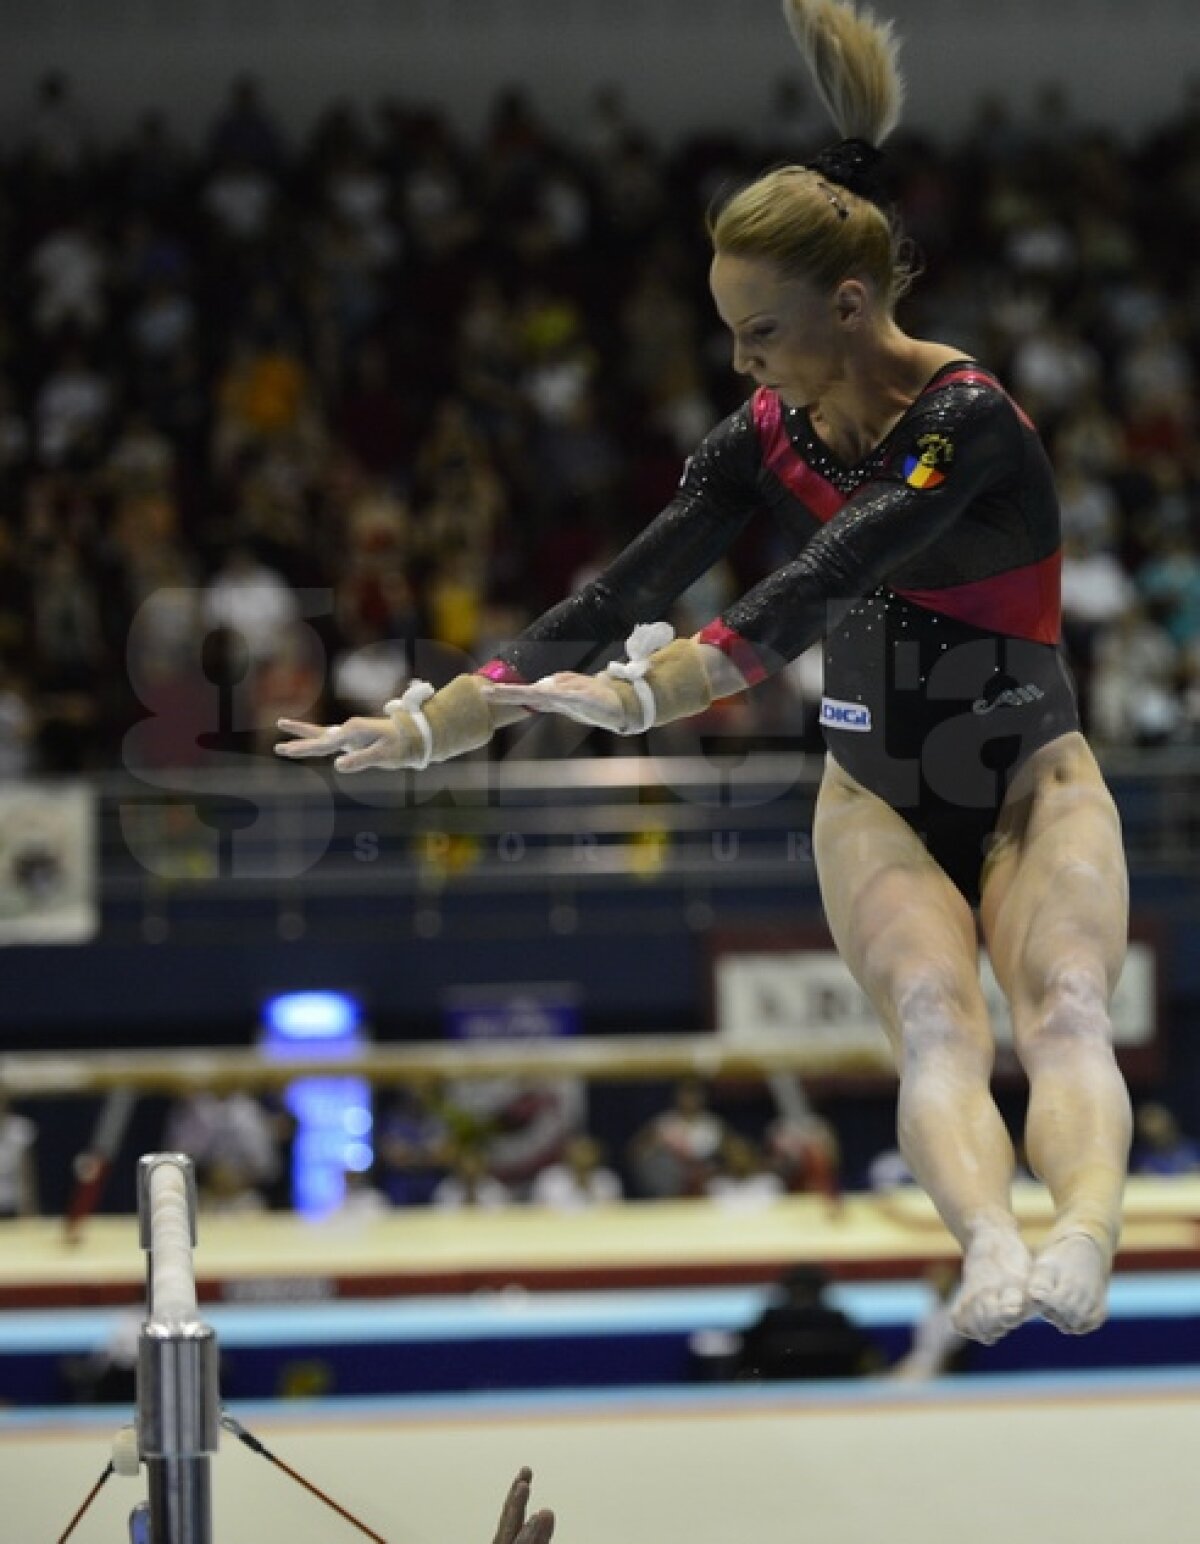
(926, 469)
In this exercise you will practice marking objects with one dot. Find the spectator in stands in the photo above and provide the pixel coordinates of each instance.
(1160, 1147)
(579, 1181)
(1051, 369)
(742, 1181)
(434, 198)
(801, 1335)
(415, 1143)
(372, 419)
(1096, 593)
(803, 1149)
(1170, 582)
(251, 600)
(374, 665)
(72, 410)
(1090, 511)
(607, 123)
(469, 1185)
(247, 129)
(1089, 443)
(55, 137)
(888, 1170)
(154, 165)
(263, 400)
(236, 1143)
(68, 269)
(141, 462)
(226, 1187)
(18, 1171)
(677, 1152)
(1133, 690)
(362, 1199)
(240, 200)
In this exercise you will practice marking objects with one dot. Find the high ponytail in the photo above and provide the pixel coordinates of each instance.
(827, 220)
(852, 57)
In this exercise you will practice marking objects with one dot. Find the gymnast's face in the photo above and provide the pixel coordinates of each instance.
(786, 334)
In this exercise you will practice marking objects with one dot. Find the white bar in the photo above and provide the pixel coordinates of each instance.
(172, 1273)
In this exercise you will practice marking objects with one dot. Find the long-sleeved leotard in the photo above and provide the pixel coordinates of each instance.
(930, 568)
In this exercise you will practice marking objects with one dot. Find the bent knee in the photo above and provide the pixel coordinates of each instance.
(938, 1016)
(1072, 1012)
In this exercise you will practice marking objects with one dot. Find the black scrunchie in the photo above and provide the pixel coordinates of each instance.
(853, 164)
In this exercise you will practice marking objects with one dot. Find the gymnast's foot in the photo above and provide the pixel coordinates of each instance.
(994, 1295)
(1069, 1283)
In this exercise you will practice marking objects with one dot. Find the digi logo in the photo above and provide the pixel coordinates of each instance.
(845, 715)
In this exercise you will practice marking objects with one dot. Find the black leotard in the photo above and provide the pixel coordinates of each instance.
(931, 569)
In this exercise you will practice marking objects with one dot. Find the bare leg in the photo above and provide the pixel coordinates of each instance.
(1078, 1136)
(1056, 922)
(909, 939)
(958, 1147)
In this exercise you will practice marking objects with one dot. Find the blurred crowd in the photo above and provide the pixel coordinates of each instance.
(490, 1143)
(478, 1143)
(508, 1141)
(486, 1144)
(284, 419)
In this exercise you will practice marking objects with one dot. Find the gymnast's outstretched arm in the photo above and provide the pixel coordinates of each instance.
(717, 495)
(883, 526)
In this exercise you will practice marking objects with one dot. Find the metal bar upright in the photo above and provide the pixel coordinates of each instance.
(178, 1399)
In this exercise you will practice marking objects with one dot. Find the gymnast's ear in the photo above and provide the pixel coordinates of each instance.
(851, 302)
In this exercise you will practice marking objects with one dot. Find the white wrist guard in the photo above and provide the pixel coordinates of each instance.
(439, 725)
(662, 680)
(416, 694)
(643, 642)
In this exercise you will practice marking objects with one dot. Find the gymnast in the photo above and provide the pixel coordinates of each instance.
(920, 508)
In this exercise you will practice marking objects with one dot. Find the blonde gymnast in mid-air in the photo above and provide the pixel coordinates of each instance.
(921, 511)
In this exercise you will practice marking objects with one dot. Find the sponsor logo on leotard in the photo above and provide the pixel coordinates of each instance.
(1013, 697)
(845, 715)
(924, 468)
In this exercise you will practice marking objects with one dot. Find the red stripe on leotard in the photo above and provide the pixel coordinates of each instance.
(498, 670)
(1020, 603)
(981, 378)
(740, 650)
(815, 492)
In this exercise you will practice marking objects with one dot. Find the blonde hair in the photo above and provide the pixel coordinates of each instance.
(795, 217)
(852, 58)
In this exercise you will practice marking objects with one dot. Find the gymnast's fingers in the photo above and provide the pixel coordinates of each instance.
(312, 739)
(538, 1530)
(298, 726)
(512, 1514)
(373, 755)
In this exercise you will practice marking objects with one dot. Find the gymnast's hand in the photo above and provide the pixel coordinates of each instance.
(418, 728)
(587, 699)
(358, 744)
(512, 1527)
